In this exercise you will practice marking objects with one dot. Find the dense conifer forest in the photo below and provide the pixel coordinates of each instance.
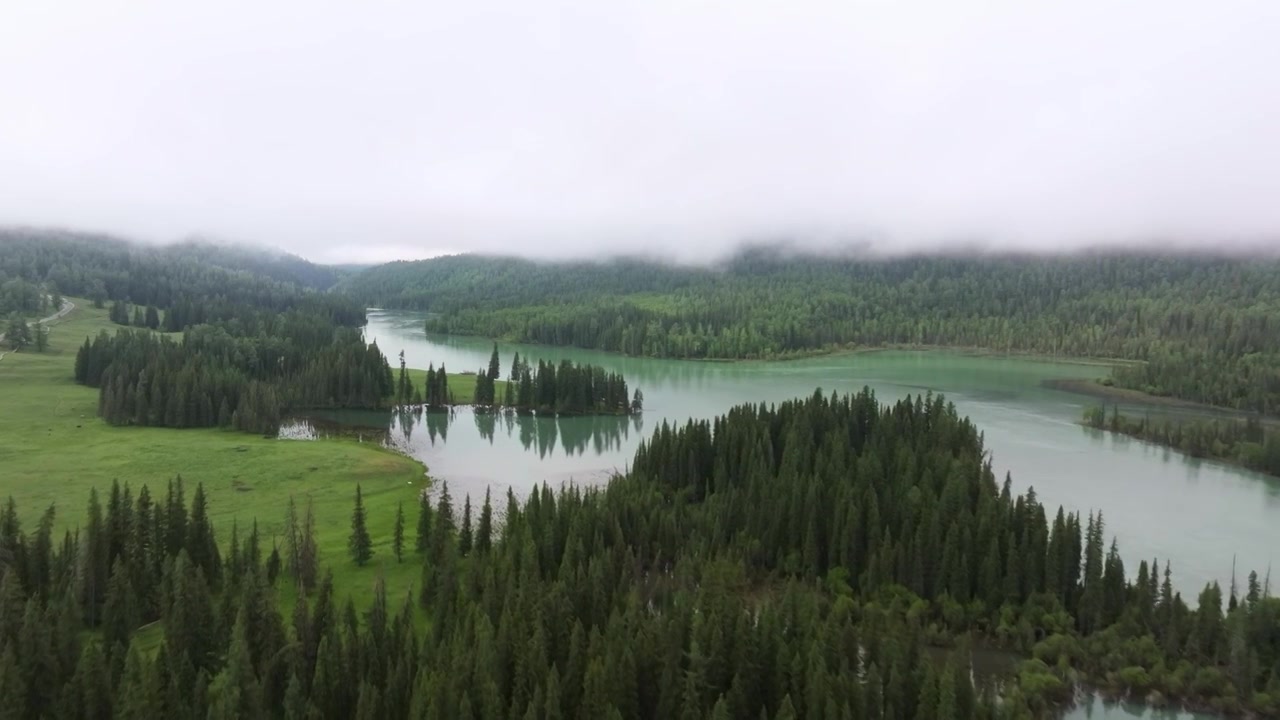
(212, 378)
(1204, 327)
(258, 336)
(107, 268)
(782, 562)
(1247, 443)
(566, 388)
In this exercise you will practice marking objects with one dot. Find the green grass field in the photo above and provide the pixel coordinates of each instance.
(53, 449)
(461, 385)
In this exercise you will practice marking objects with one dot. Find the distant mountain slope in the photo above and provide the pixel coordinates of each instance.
(454, 282)
(79, 263)
(268, 263)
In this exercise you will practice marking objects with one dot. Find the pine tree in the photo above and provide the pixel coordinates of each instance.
(464, 534)
(359, 543)
(88, 694)
(296, 705)
(138, 696)
(95, 554)
(121, 613)
(201, 546)
(397, 537)
(402, 387)
(13, 688)
(424, 522)
(235, 692)
(484, 529)
(18, 335)
(495, 365)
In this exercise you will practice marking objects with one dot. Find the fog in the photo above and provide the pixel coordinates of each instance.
(381, 130)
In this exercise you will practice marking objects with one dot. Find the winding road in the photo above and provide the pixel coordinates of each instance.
(67, 306)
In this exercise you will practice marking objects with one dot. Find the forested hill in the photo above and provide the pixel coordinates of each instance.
(250, 334)
(86, 265)
(1206, 325)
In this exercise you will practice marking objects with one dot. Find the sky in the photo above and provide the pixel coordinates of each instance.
(373, 131)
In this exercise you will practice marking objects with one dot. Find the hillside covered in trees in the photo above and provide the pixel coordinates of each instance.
(782, 562)
(101, 267)
(1203, 326)
(248, 334)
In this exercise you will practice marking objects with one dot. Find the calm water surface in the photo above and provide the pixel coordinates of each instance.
(1157, 503)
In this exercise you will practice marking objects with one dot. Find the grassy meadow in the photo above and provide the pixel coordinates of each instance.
(461, 385)
(54, 448)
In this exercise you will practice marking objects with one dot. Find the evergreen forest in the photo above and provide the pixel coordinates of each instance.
(1202, 327)
(791, 561)
(567, 388)
(564, 388)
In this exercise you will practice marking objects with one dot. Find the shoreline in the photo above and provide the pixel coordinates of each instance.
(1119, 395)
(829, 351)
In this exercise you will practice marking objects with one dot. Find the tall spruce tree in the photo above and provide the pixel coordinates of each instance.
(495, 364)
(359, 543)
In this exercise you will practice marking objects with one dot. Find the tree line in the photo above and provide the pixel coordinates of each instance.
(24, 298)
(191, 283)
(790, 561)
(564, 388)
(1247, 443)
(1203, 326)
(19, 334)
(212, 378)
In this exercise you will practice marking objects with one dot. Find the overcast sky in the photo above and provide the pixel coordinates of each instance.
(368, 131)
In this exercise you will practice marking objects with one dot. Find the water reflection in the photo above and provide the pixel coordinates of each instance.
(1091, 706)
(567, 435)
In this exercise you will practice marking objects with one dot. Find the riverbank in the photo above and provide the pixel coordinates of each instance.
(54, 449)
(1111, 394)
(1247, 444)
(828, 351)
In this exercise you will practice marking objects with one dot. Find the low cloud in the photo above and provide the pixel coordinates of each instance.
(373, 131)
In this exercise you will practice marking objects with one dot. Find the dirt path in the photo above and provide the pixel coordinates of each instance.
(67, 306)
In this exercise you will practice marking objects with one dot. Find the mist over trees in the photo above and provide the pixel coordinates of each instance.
(195, 283)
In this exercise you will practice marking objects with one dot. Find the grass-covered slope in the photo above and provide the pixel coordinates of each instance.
(54, 449)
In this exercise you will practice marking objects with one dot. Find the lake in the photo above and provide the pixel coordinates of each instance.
(1157, 503)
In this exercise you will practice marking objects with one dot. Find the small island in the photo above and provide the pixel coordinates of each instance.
(564, 388)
